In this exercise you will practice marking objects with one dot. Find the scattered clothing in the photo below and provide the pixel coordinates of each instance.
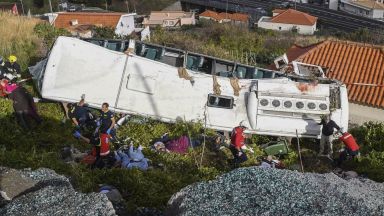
(112, 193)
(179, 145)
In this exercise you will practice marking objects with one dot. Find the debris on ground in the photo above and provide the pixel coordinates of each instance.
(257, 191)
(46, 193)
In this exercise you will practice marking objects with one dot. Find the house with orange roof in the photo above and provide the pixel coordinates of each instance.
(373, 9)
(235, 18)
(359, 66)
(289, 20)
(82, 23)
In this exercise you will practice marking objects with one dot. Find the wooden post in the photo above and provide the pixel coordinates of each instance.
(298, 149)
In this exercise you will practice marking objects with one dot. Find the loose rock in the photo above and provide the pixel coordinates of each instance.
(256, 191)
(53, 194)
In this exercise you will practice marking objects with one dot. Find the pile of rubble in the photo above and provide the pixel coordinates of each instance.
(43, 192)
(257, 191)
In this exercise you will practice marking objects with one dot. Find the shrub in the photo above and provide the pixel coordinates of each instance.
(49, 33)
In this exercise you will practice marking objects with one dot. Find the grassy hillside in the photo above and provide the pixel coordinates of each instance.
(18, 38)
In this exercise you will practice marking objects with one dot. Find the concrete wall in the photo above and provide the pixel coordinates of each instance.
(358, 114)
(302, 29)
(378, 14)
(333, 4)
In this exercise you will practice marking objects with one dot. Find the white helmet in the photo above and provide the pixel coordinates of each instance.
(243, 124)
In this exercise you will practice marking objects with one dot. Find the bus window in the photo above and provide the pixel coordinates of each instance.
(173, 58)
(199, 63)
(260, 74)
(241, 71)
(224, 69)
(219, 101)
(114, 45)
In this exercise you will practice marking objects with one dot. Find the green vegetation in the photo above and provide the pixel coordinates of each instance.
(48, 33)
(237, 43)
(153, 188)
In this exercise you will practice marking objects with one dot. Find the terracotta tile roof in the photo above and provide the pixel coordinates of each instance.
(239, 17)
(220, 16)
(63, 20)
(211, 14)
(352, 63)
(291, 16)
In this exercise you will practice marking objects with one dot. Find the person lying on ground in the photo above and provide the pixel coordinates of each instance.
(132, 159)
(23, 104)
(179, 145)
(267, 162)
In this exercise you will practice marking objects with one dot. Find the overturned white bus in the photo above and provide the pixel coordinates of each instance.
(170, 84)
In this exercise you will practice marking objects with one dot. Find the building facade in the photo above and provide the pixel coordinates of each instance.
(289, 20)
(365, 8)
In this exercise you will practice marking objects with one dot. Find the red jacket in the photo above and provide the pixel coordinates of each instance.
(349, 141)
(237, 137)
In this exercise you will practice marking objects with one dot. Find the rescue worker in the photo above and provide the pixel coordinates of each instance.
(99, 149)
(23, 104)
(12, 69)
(107, 124)
(80, 115)
(237, 142)
(327, 134)
(351, 147)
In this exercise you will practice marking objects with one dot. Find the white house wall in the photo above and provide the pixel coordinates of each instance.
(378, 14)
(361, 11)
(302, 29)
(126, 25)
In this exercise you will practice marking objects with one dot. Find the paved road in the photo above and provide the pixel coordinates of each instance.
(330, 19)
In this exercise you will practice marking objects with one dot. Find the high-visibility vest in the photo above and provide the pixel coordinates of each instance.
(349, 141)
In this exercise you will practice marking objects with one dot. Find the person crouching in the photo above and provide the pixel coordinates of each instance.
(237, 142)
(351, 147)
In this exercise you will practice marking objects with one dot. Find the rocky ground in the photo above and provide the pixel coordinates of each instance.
(257, 191)
(44, 193)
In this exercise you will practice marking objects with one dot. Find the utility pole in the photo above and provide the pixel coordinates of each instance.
(126, 2)
(226, 11)
(106, 5)
(50, 6)
(22, 6)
